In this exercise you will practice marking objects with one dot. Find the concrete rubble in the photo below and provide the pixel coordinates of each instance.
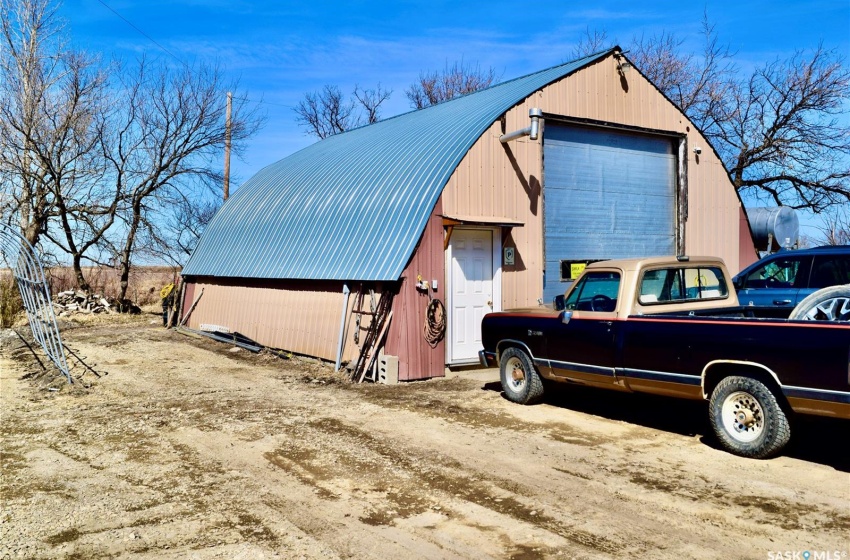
(73, 301)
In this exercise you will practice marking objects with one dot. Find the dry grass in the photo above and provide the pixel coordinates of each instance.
(149, 315)
(11, 306)
(143, 289)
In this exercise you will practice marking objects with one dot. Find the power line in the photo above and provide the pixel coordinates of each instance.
(263, 102)
(178, 59)
(149, 38)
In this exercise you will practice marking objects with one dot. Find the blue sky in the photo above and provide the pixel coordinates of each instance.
(278, 51)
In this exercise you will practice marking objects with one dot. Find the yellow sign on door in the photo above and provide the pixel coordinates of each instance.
(576, 269)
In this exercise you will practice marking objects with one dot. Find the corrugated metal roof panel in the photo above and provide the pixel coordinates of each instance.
(352, 207)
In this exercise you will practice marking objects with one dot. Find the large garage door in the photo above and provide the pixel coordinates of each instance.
(607, 194)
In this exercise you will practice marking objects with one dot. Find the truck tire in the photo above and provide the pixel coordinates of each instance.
(828, 304)
(520, 380)
(747, 418)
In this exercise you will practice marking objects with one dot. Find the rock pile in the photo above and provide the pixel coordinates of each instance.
(72, 301)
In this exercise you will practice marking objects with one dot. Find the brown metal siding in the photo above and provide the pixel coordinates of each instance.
(188, 298)
(496, 179)
(301, 317)
(417, 360)
(304, 317)
(499, 180)
(747, 250)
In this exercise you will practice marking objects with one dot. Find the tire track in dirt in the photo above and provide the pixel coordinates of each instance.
(446, 477)
(186, 448)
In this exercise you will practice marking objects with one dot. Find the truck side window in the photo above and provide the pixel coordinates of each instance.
(661, 285)
(708, 284)
(595, 291)
(676, 285)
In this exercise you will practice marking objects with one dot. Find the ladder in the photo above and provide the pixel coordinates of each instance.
(381, 313)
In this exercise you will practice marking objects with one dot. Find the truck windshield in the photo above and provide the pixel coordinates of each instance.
(595, 291)
(675, 285)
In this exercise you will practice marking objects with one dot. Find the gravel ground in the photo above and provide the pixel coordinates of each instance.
(186, 448)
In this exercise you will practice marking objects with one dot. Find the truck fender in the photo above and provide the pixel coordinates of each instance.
(744, 365)
(509, 342)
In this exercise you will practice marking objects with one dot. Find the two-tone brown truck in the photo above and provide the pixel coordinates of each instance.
(673, 326)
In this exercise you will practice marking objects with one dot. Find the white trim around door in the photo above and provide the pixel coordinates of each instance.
(473, 288)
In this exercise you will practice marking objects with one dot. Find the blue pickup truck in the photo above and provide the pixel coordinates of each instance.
(674, 326)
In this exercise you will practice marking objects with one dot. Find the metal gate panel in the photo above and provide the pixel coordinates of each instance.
(607, 194)
(26, 268)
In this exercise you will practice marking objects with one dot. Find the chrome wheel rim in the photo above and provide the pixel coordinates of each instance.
(833, 309)
(515, 375)
(743, 417)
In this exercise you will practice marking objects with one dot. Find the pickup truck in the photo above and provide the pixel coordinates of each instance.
(673, 326)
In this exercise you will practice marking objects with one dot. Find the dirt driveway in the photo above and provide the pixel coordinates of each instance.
(187, 449)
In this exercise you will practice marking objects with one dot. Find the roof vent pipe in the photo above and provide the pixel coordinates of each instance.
(532, 131)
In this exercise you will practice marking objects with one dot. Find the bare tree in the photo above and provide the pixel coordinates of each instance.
(85, 206)
(179, 223)
(785, 137)
(453, 81)
(186, 225)
(591, 42)
(327, 112)
(50, 110)
(32, 64)
(781, 130)
(94, 159)
(701, 85)
(30, 31)
(836, 228)
(161, 144)
(370, 100)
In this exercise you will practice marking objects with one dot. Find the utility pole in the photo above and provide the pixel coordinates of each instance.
(227, 127)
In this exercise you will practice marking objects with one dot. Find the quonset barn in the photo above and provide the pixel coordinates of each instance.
(489, 201)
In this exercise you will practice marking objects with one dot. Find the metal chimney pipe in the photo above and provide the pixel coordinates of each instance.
(532, 131)
(536, 116)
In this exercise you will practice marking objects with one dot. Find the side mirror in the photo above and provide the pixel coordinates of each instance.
(558, 302)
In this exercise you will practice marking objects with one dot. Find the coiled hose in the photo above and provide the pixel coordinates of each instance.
(435, 322)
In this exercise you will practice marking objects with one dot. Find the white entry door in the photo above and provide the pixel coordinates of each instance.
(472, 291)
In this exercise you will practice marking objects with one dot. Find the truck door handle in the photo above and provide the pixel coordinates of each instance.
(782, 302)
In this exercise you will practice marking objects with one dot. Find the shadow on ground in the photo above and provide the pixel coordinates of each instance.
(815, 439)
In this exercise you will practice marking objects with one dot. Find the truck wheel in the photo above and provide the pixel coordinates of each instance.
(828, 304)
(747, 419)
(520, 380)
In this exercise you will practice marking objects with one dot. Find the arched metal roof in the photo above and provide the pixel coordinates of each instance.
(353, 206)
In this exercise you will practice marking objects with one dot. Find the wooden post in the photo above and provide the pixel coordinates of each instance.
(227, 129)
(186, 316)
